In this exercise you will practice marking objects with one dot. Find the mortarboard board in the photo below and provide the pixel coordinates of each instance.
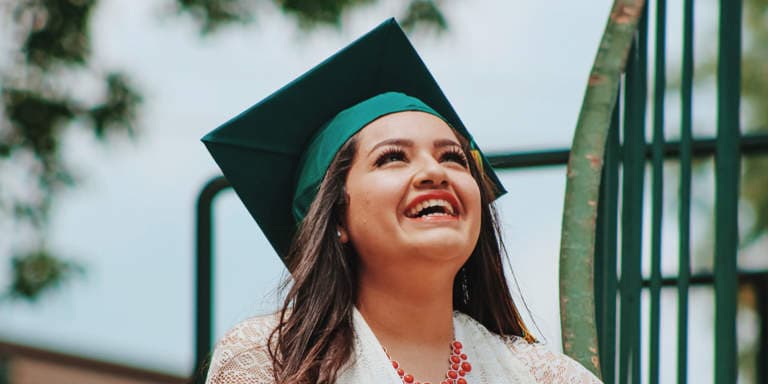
(261, 151)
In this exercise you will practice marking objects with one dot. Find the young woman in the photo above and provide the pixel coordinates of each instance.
(394, 248)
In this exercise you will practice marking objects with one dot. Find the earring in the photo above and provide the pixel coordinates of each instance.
(464, 285)
(342, 235)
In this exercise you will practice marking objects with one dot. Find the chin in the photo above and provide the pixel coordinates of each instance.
(441, 248)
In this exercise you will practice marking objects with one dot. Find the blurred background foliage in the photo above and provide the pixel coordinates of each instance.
(754, 90)
(38, 271)
(43, 97)
(754, 181)
(308, 14)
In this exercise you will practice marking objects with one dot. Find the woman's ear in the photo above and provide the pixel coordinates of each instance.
(342, 234)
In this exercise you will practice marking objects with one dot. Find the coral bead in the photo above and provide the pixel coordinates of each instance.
(462, 372)
(463, 356)
(455, 359)
(408, 379)
(461, 381)
(457, 344)
(400, 372)
(395, 365)
(455, 367)
(466, 366)
(453, 374)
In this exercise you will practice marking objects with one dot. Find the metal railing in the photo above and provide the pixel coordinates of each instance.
(619, 325)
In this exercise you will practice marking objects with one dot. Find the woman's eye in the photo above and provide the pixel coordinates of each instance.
(390, 156)
(456, 157)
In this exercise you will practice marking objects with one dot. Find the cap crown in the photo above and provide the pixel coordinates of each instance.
(260, 150)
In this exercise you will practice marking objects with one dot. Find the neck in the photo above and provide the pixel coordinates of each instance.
(408, 307)
(410, 310)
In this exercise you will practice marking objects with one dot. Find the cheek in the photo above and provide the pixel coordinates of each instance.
(470, 194)
(371, 200)
(473, 203)
(360, 205)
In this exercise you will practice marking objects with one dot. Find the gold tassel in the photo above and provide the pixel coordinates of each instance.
(527, 335)
(478, 160)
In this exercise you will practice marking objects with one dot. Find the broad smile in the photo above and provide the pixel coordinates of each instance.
(432, 206)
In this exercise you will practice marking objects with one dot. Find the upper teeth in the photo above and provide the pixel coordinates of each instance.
(431, 203)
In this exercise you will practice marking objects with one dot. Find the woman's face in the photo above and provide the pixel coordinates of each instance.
(411, 195)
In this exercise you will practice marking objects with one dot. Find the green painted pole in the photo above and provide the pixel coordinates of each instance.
(684, 194)
(727, 172)
(577, 302)
(204, 275)
(761, 290)
(606, 279)
(657, 188)
(633, 180)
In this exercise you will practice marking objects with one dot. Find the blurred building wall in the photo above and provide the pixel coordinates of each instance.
(25, 365)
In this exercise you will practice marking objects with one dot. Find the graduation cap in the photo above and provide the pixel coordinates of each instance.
(289, 138)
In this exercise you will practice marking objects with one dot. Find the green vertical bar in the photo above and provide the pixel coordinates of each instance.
(684, 208)
(632, 208)
(5, 371)
(599, 275)
(657, 188)
(606, 251)
(761, 290)
(727, 170)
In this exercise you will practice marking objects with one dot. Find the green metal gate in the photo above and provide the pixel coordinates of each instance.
(619, 281)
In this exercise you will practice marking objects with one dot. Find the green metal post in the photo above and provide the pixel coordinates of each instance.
(632, 209)
(5, 372)
(761, 290)
(684, 195)
(727, 172)
(657, 188)
(204, 274)
(606, 251)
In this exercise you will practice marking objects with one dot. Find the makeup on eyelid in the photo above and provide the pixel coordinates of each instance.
(454, 153)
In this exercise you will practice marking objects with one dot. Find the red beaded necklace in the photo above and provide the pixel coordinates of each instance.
(459, 367)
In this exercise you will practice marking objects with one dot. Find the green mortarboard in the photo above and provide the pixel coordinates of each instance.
(289, 138)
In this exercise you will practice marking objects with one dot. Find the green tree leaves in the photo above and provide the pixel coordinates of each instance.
(308, 14)
(39, 271)
(51, 45)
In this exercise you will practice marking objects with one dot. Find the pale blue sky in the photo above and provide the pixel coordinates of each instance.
(514, 70)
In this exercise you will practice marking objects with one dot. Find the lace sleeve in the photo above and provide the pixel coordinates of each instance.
(548, 367)
(241, 356)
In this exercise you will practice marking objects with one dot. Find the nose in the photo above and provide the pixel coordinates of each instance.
(430, 174)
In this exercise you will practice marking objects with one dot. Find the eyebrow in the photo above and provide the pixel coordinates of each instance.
(409, 143)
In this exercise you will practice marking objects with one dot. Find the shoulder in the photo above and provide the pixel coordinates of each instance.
(241, 356)
(547, 366)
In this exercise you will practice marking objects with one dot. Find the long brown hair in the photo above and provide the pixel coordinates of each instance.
(314, 335)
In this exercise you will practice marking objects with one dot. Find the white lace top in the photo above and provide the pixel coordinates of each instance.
(241, 357)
